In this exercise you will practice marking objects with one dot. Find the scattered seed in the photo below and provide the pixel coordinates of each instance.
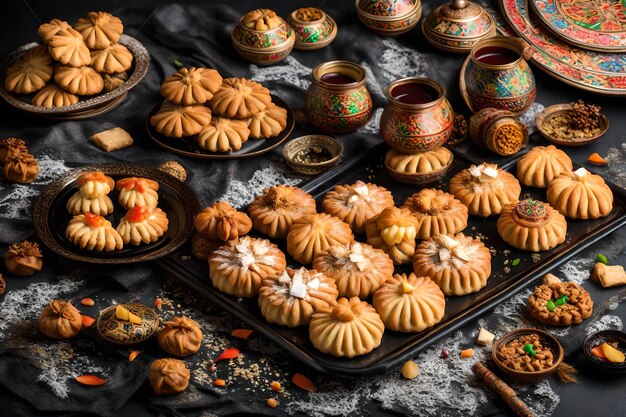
(219, 383)
(87, 302)
(444, 353)
(275, 386)
(158, 303)
(467, 353)
(272, 403)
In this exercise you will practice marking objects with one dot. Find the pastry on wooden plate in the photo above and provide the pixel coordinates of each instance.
(261, 19)
(350, 328)
(114, 81)
(485, 189)
(222, 222)
(189, 86)
(357, 203)
(30, 72)
(92, 232)
(176, 121)
(239, 268)
(268, 123)
(393, 231)
(458, 264)
(135, 192)
(240, 98)
(311, 235)
(223, 135)
(69, 50)
(142, 225)
(580, 195)
(358, 269)
(291, 298)
(113, 59)
(84, 81)
(10, 147)
(532, 225)
(53, 96)
(60, 320)
(168, 376)
(99, 29)
(180, 336)
(409, 304)
(541, 164)
(437, 213)
(22, 168)
(56, 27)
(91, 196)
(274, 211)
(558, 303)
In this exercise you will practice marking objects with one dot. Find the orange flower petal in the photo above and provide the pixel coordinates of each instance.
(228, 354)
(133, 355)
(303, 382)
(87, 321)
(90, 380)
(242, 333)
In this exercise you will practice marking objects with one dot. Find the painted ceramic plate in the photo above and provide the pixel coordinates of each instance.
(96, 105)
(120, 332)
(252, 147)
(598, 25)
(178, 201)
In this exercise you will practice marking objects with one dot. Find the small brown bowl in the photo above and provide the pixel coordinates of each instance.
(418, 178)
(118, 332)
(321, 142)
(529, 377)
(564, 108)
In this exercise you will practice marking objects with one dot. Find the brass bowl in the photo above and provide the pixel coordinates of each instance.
(574, 142)
(118, 332)
(328, 143)
(264, 47)
(391, 25)
(418, 178)
(313, 34)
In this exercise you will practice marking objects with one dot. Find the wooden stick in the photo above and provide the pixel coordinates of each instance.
(505, 392)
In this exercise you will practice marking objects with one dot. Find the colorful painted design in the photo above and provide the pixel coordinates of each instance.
(315, 34)
(387, 7)
(463, 29)
(391, 26)
(265, 39)
(264, 58)
(338, 111)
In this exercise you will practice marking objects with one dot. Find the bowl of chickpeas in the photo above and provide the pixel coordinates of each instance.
(527, 355)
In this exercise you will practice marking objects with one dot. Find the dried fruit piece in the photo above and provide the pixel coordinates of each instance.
(123, 314)
(87, 302)
(596, 159)
(219, 383)
(444, 353)
(272, 403)
(275, 386)
(87, 321)
(598, 353)
(133, 355)
(612, 355)
(228, 354)
(158, 303)
(602, 258)
(242, 333)
(410, 370)
(303, 382)
(90, 380)
(467, 353)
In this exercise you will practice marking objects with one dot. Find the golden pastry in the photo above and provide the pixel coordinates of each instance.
(261, 19)
(291, 298)
(137, 192)
(239, 268)
(112, 59)
(268, 123)
(531, 225)
(274, 211)
(176, 121)
(10, 147)
(357, 203)
(168, 376)
(114, 81)
(240, 98)
(409, 304)
(222, 222)
(142, 225)
(54, 27)
(556, 303)
(458, 264)
(393, 231)
(23, 258)
(175, 169)
(60, 320)
(485, 189)
(180, 336)
(99, 29)
(69, 50)
(223, 135)
(84, 81)
(91, 196)
(312, 234)
(580, 195)
(350, 328)
(189, 86)
(22, 168)
(358, 269)
(420, 162)
(30, 72)
(437, 213)
(53, 96)
(541, 164)
(92, 232)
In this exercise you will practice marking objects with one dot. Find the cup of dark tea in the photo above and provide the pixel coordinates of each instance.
(498, 76)
(337, 100)
(418, 117)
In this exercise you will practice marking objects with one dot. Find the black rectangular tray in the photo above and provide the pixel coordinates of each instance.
(505, 281)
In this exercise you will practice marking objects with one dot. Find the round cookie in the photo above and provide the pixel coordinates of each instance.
(53, 96)
(176, 121)
(142, 225)
(69, 50)
(437, 213)
(541, 164)
(189, 86)
(99, 29)
(240, 98)
(393, 231)
(580, 195)
(261, 19)
(222, 222)
(223, 135)
(313, 234)
(30, 72)
(83, 81)
(268, 123)
(113, 59)
(93, 232)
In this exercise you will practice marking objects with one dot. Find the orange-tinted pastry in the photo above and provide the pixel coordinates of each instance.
(92, 232)
(180, 336)
(420, 162)
(393, 231)
(437, 213)
(274, 211)
(84, 81)
(54, 27)
(458, 264)
(135, 192)
(357, 203)
(409, 304)
(10, 147)
(311, 235)
(261, 19)
(239, 268)
(485, 189)
(358, 269)
(30, 72)
(532, 225)
(142, 225)
(580, 195)
(350, 328)
(240, 98)
(291, 298)
(268, 123)
(189, 86)
(99, 29)
(168, 376)
(91, 196)
(113, 59)
(53, 96)
(548, 305)
(176, 121)
(60, 320)
(69, 50)
(22, 168)
(223, 135)
(541, 164)
(222, 222)
(23, 258)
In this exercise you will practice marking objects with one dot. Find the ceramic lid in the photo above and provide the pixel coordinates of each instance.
(387, 7)
(460, 19)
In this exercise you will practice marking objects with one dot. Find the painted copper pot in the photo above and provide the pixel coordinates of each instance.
(264, 47)
(418, 117)
(337, 100)
(314, 29)
(497, 75)
(389, 17)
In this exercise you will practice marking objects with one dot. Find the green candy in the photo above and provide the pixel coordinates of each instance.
(515, 262)
(602, 258)
(550, 305)
(528, 348)
(561, 300)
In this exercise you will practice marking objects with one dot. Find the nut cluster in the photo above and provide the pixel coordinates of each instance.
(513, 355)
(586, 116)
(577, 308)
(509, 139)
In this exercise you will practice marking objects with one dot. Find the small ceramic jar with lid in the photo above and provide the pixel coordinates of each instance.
(314, 29)
(389, 17)
(499, 131)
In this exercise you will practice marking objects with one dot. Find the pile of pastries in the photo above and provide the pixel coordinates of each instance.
(83, 59)
(89, 229)
(220, 115)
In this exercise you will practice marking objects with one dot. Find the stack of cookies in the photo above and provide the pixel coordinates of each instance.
(219, 114)
(79, 60)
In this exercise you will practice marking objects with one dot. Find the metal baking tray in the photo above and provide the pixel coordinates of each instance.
(505, 281)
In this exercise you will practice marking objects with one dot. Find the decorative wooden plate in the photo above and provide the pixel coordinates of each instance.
(573, 142)
(118, 332)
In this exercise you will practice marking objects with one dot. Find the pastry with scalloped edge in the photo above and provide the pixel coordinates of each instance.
(69, 50)
(222, 222)
(268, 123)
(240, 98)
(189, 86)
(437, 213)
(312, 234)
(223, 135)
(394, 231)
(92, 195)
(176, 121)
(52, 96)
(54, 27)
(273, 211)
(93, 232)
(99, 29)
(83, 81)
(580, 195)
(261, 19)
(136, 191)
(419, 162)
(142, 225)
(30, 72)
(115, 58)
(541, 164)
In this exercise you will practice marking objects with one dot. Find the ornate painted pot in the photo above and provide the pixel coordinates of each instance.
(418, 117)
(314, 29)
(499, 131)
(498, 76)
(337, 100)
(389, 17)
(264, 47)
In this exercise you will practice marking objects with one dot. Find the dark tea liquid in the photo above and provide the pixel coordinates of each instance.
(337, 78)
(414, 93)
(496, 55)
